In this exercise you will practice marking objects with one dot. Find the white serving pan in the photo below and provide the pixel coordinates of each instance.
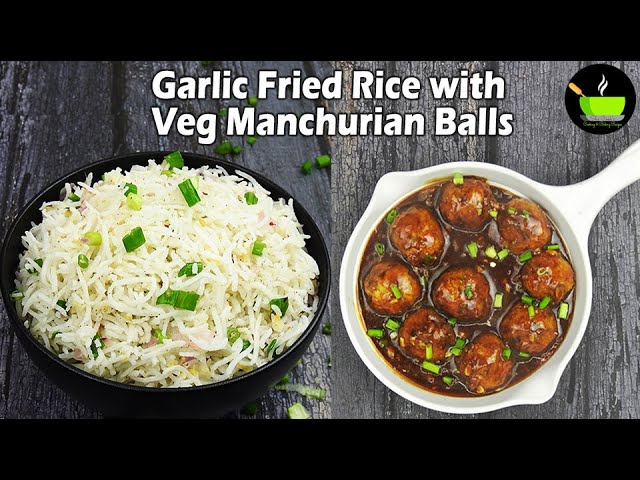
(572, 208)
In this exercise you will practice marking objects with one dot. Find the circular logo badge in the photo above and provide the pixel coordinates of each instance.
(600, 99)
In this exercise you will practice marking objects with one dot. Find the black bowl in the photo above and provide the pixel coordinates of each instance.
(117, 399)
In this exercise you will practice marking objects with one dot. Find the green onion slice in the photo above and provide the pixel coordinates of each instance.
(257, 248)
(553, 246)
(563, 311)
(317, 393)
(130, 188)
(157, 333)
(452, 321)
(375, 333)
(186, 300)
(93, 239)
(525, 256)
(74, 198)
(323, 161)
(544, 302)
(245, 344)
(497, 300)
(506, 353)
(524, 354)
(511, 211)
(191, 269)
(281, 303)
(232, 335)
(423, 281)
(429, 351)
(134, 239)
(502, 254)
(493, 212)
(134, 202)
(251, 140)
(458, 179)
(455, 351)
(468, 292)
(526, 299)
(391, 324)
(168, 173)
(96, 344)
(431, 367)
(271, 346)
(189, 192)
(460, 343)
(16, 295)
(472, 248)
(252, 101)
(532, 311)
(448, 380)
(396, 291)
(490, 251)
(297, 412)
(327, 328)
(306, 167)
(391, 216)
(174, 160)
(380, 248)
(250, 198)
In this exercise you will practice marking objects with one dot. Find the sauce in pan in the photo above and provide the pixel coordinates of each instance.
(466, 288)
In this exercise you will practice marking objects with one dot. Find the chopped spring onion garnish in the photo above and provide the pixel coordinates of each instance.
(525, 256)
(327, 328)
(250, 198)
(134, 239)
(391, 324)
(563, 311)
(458, 179)
(223, 112)
(525, 214)
(511, 211)
(236, 150)
(380, 248)
(186, 300)
(468, 292)
(428, 259)
(323, 161)
(179, 299)
(93, 239)
(396, 291)
(232, 335)
(493, 212)
(429, 351)
(252, 101)
(502, 254)
(524, 354)
(455, 351)
(553, 246)
(544, 302)
(257, 248)
(543, 271)
(130, 188)
(423, 281)
(62, 304)
(391, 216)
(317, 393)
(157, 333)
(96, 343)
(526, 299)
(297, 412)
(55, 334)
(16, 295)
(225, 148)
(497, 300)
(472, 248)
(506, 353)
(174, 160)
(460, 342)
(134, 202)
(284, 380)
(251, 140)
(271, 346)
(168, 173)
(83, 261)
(306, 167)
(191, 269)
(532, 311)
(431, 367)
(37, 261)
(74, 198)
(250, 409)
(189, 192)
(490, 251)
(281, 303)
(375, 333)
(452, 321)
(448, 380)
(245, 344)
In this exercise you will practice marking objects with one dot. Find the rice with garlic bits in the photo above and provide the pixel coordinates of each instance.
(128, 282)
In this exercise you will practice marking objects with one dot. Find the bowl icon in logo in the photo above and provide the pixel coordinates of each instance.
(600, 108)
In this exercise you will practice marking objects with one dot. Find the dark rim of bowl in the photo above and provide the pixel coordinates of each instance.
(229, 167)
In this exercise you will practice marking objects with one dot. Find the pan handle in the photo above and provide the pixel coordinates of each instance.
(583, 201)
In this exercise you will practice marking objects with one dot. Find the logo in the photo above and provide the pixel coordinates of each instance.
(600, 99)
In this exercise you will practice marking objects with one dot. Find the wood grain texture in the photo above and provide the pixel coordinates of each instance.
(602, 378)
(55, 117)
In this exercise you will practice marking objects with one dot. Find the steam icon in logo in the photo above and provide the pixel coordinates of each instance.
(600, 99)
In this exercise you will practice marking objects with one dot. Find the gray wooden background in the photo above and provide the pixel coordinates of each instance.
(602, 379)
(55, 117)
